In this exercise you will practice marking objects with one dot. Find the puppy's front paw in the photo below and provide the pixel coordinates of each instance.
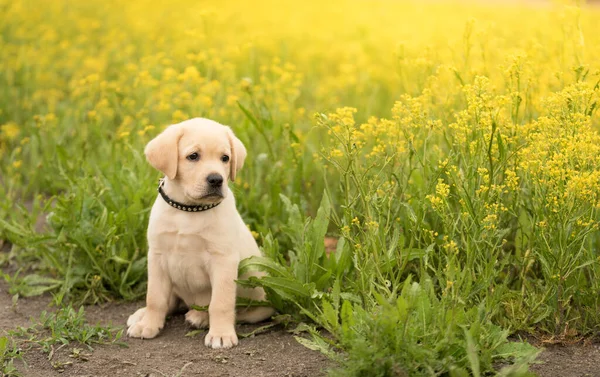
(143, 330)
(221, 339)
(136, 317)
(197, 319)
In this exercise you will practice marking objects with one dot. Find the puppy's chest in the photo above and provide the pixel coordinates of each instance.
(182, 235)
(183, 243)
(185, 251)
(186, 257)
(189, 272)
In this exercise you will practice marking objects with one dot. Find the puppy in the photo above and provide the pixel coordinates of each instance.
(196, 237)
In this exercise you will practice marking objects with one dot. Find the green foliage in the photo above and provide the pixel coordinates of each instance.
(416, 333)
(65, 326)
(420, 334)
(465, 176)
(310, 272)
(94, 243)
(8, 353)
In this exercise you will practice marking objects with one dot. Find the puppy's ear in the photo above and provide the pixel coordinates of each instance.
(162, 152)
(238, 154)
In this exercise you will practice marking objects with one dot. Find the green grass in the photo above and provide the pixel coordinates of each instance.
(53, 331)
(422, 335)
(9, 352)
(64, 327)
(462, 184)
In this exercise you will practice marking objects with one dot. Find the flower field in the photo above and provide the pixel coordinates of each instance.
(452, 149)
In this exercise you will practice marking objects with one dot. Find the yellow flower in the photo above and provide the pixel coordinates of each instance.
(373, 224)
(179, 116)
(489, 222)
(435, 201)
(246, 84)
(231, 100)
(442, 189)
(336, 153)
(449, 245)
(10, 130)
(190, 73)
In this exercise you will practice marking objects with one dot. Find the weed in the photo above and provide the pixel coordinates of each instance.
(63, 327)
(420, 334)
(8, 353)
(449, 148)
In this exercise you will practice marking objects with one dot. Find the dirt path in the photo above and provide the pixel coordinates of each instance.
(569, 361)
(271, 354)
(275, 353)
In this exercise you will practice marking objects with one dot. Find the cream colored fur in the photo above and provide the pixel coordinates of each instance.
(194, 257)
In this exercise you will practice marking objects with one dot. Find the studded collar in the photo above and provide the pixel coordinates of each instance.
(180, 206)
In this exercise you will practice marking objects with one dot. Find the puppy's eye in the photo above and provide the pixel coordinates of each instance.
(193, 157)
(225, 158)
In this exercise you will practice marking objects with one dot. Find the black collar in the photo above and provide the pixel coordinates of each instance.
(180, 206)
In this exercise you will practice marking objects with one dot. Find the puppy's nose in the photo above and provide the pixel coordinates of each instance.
(215, 180)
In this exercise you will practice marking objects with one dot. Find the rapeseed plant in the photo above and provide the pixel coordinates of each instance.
(456, 146)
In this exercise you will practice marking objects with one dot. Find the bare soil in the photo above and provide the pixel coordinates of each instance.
(273, 353)
(569, 361)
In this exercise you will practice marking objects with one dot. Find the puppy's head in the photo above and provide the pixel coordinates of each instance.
(199, 155)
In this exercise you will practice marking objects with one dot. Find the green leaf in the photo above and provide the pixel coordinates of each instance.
(347, 296)
(413, 253)
(314, 345)
(199, 308)
(34, 285)
(302, 327)
(459, 372)
(343, 256)
(3, 346)
(295, 222)
(320, 225)
(330, 317)
(335, 295)
(501, 147)
(347, 317)
(263, 264)
(243, 302)
(516, 350)
(193, 333)
(472, 354)
(248, 114)
(258, 330)
(119, 260)
(284, 286)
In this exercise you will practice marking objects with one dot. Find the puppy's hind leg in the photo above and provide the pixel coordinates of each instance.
(257, 313)
(197, 318)
(254, 315)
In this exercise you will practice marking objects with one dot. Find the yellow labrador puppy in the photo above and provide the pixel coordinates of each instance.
(196, 237)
